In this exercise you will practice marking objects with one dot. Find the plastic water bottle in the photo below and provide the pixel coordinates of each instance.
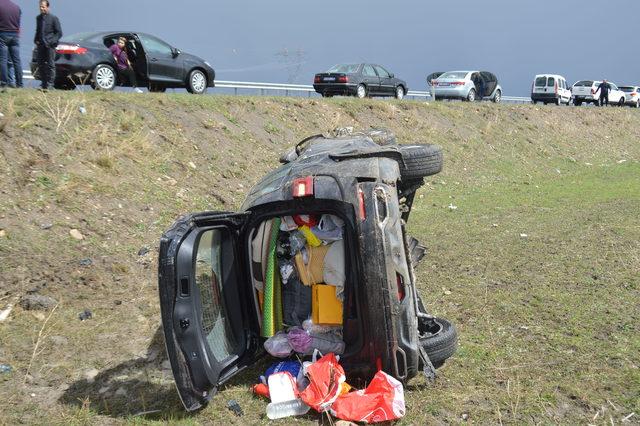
(279, 410)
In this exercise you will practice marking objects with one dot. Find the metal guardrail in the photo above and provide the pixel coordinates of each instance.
(290, 89)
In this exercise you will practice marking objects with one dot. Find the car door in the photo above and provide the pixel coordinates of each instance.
(387, 84)
(370, 78)
(490, 83)
(615, 94)
(434, 75)
(209, 327)
(164, 62)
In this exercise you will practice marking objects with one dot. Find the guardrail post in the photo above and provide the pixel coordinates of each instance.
(235, 91)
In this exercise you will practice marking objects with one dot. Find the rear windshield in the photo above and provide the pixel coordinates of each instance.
(454, 74)
(584, 83)
(80, 37)
(541, 81)
(345, 68)
(627, 89)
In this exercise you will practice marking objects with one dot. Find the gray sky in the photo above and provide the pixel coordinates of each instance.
(290, 40)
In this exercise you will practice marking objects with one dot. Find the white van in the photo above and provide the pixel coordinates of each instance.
(550, 88)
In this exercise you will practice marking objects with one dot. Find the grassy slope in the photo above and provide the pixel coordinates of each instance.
(548, 322)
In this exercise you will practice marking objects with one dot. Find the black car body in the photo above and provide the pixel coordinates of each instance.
(85, 58)
(359, 80)
(371, 188)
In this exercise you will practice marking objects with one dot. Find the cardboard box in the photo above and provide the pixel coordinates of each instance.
(326, 308)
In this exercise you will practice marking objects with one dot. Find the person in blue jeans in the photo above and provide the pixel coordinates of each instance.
(10, 15)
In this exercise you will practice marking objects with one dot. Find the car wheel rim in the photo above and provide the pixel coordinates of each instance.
(399, 93)
(105, 78)
(198, 82)
(472, 96)
(361, 91)
(498, 97)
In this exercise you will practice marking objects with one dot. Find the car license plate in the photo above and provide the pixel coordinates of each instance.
(329, 79)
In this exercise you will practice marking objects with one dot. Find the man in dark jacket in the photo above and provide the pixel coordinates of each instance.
(604, 88)
(48, 33)
(10, 15)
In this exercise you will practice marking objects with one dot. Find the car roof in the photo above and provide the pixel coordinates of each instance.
(549, 75)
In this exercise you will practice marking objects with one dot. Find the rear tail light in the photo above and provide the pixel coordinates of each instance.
(303, 187)
(343, 79)
(361, 211)
(71, 49)
(457, 83)
(316, 79)
(634, 93)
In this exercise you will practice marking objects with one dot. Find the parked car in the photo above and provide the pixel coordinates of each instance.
(631, 95)
(584, 91)
(85, 58)
(465, 85)
(550, 88)
(360, 80)
(208, 264)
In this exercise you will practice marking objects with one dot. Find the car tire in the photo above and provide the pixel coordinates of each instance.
(361, 91)
(577, 102)
(497, 97)
(439, 338)
(326, 95)
(637, 105)
(558, 101)
(197, 82)
(419, 161)
(471, 96)
(103, 77)
(400, 92)
(621, 102)
(156, 88)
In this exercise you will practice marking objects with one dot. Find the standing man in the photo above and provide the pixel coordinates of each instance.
(10, 14)
(48, 33)
(604, 88)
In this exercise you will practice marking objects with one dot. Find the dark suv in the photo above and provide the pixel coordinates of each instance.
(210, 312)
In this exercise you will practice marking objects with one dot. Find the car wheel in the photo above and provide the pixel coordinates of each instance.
(471, 96)
(361, 91)
(558, 101)
(621, 102)
(498, 97)
(534, 102)
(419, 161)
(439, 338)
(197, 83)
(103, 77)
(156, 88)
(637, 105)
(400, 92)
(577, 102)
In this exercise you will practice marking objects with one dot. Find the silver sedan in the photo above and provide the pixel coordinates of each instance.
(466, 85)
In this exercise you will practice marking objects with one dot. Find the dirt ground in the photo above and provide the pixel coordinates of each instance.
(89, 181)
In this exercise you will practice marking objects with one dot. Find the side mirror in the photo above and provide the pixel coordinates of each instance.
(175, 52)
(391, 75)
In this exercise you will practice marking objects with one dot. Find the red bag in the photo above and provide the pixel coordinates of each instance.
(326, 377)
(382, 400)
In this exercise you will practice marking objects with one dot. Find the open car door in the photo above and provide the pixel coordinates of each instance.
(490, 83)
(433, 76)
(207, 326)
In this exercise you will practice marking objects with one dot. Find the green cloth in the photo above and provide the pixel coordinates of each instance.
(269, 315)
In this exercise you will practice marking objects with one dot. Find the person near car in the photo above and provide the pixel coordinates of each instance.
(10, 15)
(604, 88)
(48, 33)
(125, 69)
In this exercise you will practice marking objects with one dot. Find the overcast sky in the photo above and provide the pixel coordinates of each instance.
(290, 40)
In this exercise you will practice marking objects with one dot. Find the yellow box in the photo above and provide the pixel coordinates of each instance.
(326, 308)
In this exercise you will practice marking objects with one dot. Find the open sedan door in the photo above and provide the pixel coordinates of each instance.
(208, 325)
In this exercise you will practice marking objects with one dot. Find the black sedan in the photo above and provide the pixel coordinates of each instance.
(360, 80)
(85, 58)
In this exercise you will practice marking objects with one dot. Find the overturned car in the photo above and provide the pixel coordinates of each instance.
(223, 289)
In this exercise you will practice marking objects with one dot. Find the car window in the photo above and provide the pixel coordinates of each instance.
(152, 44)
(626, 89)
(584, 83)
(80, 37)
(345, 68)
(541, 81)
(613, 86)
(381, 71)
(551, 81)
(454, 74)
(368, 71)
